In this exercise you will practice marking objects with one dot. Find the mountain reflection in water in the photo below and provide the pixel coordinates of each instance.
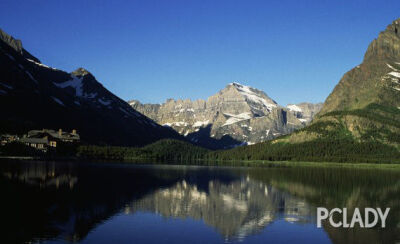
(236, 209)
(73, 202)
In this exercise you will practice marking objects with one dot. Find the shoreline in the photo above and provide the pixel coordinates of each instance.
(220, 163)
(20, 157)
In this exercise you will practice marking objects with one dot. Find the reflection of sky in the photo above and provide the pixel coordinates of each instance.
(130, 228)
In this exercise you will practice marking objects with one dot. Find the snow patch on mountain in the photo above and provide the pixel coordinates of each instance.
(6, 86)
(179, 124)
(90, 95)
(201, 123)
(395, 74)
(75, 83)
(30, 76)
(58, 101)
(104, 102)
(234, 118)
(40, 64)
(241, 112)
(391, 67)
(249, 94)
(124, 111)
(27, 73)
(11, 57)
(294, 107)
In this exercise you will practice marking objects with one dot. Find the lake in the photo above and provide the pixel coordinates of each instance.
(82, 202)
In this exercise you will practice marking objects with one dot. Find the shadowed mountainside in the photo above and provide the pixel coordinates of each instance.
(36, 96)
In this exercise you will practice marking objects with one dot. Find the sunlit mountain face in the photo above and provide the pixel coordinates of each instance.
(103, 203)
(236, 115)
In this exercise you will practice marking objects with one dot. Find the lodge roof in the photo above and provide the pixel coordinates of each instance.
(34, 140)
(55, 134)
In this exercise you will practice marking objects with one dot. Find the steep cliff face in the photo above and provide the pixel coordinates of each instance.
(375, 80)
(365, 104)
(236, 115)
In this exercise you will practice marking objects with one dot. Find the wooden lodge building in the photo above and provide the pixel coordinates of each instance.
(45, 138)
(4, 139)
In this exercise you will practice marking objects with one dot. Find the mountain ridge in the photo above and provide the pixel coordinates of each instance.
(359, 120)
(235, 115)
(35, 96)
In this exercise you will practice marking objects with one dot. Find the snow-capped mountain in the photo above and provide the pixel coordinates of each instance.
(305, 112)
(36, 96)
(236, 115)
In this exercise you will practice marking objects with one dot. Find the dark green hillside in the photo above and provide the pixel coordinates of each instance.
(359, 121)
(362, 135)
(163, 150)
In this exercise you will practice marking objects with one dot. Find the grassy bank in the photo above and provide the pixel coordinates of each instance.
(341, 151)
(276, 155)
(262, 163)
(255, 163)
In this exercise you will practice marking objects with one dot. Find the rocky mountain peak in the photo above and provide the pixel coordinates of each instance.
(386, 45)
(363, 109)
(257, 99)
(35, 96)
(81, 72)
(236, 115)
(11, 41)
(375, 80)
(133, 102)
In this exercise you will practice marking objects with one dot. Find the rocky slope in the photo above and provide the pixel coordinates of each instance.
(236, 115)
(36, 96)
(365, 105)
(359, 121)
(375, 80)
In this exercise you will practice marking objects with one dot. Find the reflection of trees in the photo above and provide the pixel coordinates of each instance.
(34, 206)
(42, 177)
(387, 196)
(350, 188)
(39, 208)
(236, 210)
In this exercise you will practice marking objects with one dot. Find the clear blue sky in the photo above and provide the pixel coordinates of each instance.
(152, 50)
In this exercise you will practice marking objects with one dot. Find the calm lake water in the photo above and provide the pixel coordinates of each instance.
(54, 202)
